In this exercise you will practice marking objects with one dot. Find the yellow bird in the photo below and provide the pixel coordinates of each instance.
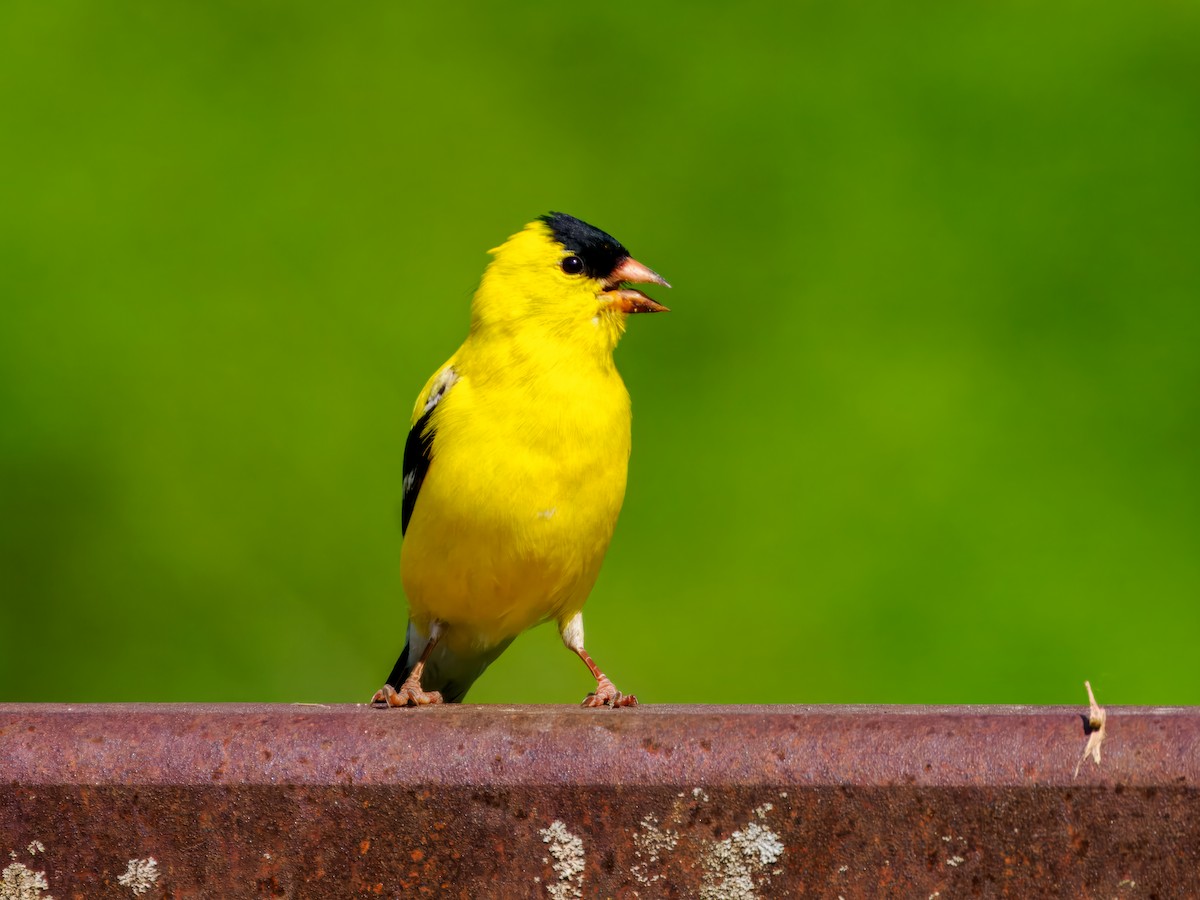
(515, 467)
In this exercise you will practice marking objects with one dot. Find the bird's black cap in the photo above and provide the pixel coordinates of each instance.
(601, 253)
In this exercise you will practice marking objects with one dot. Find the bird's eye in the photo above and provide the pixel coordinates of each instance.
(572, 265)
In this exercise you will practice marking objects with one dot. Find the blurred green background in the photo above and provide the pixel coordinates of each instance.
(922, 427)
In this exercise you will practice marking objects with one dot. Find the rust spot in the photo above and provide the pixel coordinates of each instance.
(957, 801)
(269, 886)
(654, 747)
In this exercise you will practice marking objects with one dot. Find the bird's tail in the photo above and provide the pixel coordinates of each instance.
(445, 671)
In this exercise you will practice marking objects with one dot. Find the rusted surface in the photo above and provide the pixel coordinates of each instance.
(236, 801)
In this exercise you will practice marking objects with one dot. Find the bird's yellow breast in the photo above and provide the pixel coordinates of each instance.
(524, 488)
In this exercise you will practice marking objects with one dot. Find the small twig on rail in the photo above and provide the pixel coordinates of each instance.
(1093, 727)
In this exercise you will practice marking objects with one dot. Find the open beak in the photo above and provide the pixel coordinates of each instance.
(629, 300)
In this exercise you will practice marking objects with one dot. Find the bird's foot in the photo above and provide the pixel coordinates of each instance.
(606, 694)
(410, 694)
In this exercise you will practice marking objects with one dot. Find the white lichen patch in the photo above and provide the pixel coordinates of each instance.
(18, 882)
(651, 844)
(762, 811)
(140, 875)
(955, 861)
(700, 794)
(569, 861)
(654, 841)
(732, 866)
(758, 841)
(36, 847)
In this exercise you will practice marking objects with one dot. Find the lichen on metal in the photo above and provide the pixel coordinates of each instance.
(712, 802)
(569, 861)
(19, 882)
(140, 875)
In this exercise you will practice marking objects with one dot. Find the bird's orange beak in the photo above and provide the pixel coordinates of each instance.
(629, 300)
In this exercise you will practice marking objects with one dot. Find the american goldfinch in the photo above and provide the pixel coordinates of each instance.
(514, 470)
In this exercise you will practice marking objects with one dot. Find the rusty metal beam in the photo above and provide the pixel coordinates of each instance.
(307, 801)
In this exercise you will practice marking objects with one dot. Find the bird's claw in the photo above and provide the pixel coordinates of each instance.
(410, 694)
(606, 694)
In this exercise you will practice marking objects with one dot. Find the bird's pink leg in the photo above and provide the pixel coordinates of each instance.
(606, 693)
(411, 693)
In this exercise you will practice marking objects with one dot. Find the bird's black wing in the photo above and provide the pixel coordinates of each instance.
(418, 449)
(418, 452)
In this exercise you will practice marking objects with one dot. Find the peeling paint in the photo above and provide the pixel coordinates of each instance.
(140, 875)
(569, 861)
(18, 882)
